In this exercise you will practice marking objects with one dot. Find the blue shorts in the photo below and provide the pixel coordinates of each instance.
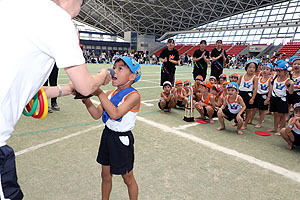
(9, 181)
(117, 151)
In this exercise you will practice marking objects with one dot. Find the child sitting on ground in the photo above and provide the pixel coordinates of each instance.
(167, 100)
(196, 88)
(234, 77)
(291, 134)
(218, 91)
(277, 96)
(213, 80)
(232, 108)
(118, 109)
(222, 79)
(180, 94)
(263, 88)
(187, 84)
(206, 104)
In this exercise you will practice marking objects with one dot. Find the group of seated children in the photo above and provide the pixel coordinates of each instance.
(259, 89)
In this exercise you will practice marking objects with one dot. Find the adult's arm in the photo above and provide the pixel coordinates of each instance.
(84, 82)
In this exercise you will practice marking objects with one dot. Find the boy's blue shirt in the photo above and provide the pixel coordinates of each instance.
(116, 99)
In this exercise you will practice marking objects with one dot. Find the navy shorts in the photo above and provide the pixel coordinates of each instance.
(214, 114)
(167, 104)
(229, 115)
(9, 181)
(279, 104)
(294, 98)
(117, 151)
(297, 139)
(259, 101)
(246, 98)
(180, 103)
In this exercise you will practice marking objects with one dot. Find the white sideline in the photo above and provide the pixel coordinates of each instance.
(56, 140)
(263, 164)
(266, 165)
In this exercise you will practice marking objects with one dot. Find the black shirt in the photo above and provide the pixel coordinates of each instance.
(200, 64)
(171, 55)
(219, 64)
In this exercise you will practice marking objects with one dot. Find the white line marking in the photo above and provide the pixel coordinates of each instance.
(181, 127)
(149, 87)
(279, 170)
(149, 104)
(148, 81)
(150, 100)
(56, 140)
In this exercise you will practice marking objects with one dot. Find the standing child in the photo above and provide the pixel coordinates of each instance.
(295, 97)
(258, 72)
(291, 134)
(232, 108)
(278, 95)
(248, 89)
(118, 109)
(206, 104)
(180, 94)
(264, 83)
(167, 99)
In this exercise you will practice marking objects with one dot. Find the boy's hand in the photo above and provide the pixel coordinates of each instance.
(251, 101)
(239, 118)
(267, 101)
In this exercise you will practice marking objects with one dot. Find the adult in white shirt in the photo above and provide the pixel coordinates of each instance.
(41, 31)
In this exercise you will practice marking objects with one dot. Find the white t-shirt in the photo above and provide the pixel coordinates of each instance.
(36, 33)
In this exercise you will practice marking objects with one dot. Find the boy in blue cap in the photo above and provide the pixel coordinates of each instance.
(232, 108)
(118, 109)
(277, 95)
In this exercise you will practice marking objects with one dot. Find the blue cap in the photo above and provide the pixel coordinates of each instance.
(133, 65)
(281, 64)
(293, 58)
(268, 65)
(251, 61)
(232, 85)
(258, 61)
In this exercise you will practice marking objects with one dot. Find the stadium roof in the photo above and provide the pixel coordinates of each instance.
(156, 17)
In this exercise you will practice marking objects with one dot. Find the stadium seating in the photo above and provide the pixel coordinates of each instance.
(236, 49)
(290, 49)
(192, 50)
(184, 49)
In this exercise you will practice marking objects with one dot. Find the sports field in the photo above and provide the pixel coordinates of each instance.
(174, 159)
